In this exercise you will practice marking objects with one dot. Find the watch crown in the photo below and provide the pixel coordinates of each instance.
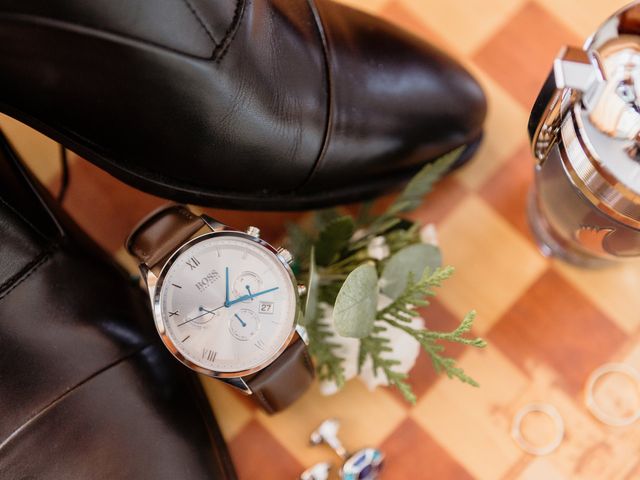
(301, 289)
(253, 231)
(285, 254)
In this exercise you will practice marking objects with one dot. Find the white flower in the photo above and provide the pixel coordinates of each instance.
(404, 347)
(429, 234)
(378, 248)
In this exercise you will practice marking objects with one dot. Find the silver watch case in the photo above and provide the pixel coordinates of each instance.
(155, 281)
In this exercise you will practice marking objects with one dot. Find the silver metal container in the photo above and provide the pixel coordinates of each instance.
(585, 136)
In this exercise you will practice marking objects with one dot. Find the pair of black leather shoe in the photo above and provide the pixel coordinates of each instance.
(256, 104)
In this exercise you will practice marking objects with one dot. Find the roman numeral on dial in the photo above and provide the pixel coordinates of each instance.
(193, 263)
(260, 344)
(209, 354)
(172, 314)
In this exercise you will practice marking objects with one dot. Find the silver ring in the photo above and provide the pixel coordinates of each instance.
(527, 446)
(592, 405)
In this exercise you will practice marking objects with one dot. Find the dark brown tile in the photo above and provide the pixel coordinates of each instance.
(554, 324)
(258, 455)
(519, 56)
(412, 453)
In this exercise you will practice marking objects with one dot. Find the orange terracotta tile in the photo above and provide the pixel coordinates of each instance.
(506, 191)
(272, 224)
(446, 194)
(412, 453)
(441, 201)
(108, 209)
(396, 12)
(465, 23)
(519, 56)
(258, 455)
(105, 207)
(554, 324)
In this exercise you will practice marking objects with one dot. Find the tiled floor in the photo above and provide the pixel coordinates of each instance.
(548, 324)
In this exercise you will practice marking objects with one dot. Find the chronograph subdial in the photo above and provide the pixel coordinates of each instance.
(203, 315)
(244, 324)
(247, 283)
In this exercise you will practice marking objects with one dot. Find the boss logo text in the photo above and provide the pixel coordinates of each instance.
(208, 280)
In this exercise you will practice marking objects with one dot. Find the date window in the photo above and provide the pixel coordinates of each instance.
(265, 307)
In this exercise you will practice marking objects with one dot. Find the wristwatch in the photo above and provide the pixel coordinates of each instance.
(225, 303)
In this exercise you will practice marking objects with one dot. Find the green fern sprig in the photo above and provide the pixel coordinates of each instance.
(399, 312)
(373, 346)
(328, 363)
(414, 296)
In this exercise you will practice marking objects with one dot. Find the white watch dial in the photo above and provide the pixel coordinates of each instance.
(227, 304)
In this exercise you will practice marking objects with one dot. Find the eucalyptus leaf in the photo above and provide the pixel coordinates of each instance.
(356, 304)
(411, 260)
(333, 238)
(311, 301)
(422, 183)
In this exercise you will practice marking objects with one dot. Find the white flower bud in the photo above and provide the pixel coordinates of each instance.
(429, 234)
(378, 248)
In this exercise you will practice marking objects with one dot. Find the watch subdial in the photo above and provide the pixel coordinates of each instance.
(244, 324)
(204, 315)
(247, 283)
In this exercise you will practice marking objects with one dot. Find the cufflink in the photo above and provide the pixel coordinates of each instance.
(364, 464)
(320, 471)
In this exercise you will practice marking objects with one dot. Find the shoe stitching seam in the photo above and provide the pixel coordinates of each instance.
(15, 280)
(95, 32)
(330, 93)
(68, 392)
(201, 21)
(223, 47)
(22, 217)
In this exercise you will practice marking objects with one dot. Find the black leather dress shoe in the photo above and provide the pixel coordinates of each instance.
(251, 104)
(87, 391)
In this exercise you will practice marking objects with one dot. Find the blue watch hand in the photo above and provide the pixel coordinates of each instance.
(226, 287)
(247, 297)
(243, 324)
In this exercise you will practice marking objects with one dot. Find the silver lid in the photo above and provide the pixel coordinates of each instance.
(598, 115)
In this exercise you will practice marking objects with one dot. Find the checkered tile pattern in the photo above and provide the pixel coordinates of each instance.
(548, 324)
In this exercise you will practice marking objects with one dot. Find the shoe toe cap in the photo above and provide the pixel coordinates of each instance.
(397, 102)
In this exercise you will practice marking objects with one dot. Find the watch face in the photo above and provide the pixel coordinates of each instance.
(226, 303)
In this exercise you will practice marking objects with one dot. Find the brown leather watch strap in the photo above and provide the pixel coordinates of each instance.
(161, 232)
(287, 378)
(276, 386)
